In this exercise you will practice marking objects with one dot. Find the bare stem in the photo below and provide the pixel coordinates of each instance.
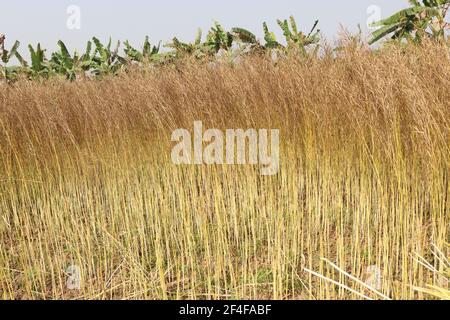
(2, 52)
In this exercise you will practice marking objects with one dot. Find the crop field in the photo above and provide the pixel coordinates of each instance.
(359, 208)
(86, 178)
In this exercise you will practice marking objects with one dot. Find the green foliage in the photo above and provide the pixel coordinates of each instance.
(244, 36)
(297, 39)
(218, 38)
(196, 49)
(106, 61)
(8, 73)
(64, 64)
(7, 55)
(270, 38)
(149, 53)
(40, 66)
(100, 59)
(423, 19)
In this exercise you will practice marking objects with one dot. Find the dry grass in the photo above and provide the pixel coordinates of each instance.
(86, 179)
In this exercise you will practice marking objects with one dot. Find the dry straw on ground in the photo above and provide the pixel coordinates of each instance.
(86, 180)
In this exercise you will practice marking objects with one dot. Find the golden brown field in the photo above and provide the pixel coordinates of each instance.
(86, 179)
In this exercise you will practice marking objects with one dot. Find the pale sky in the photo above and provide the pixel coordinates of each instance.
(45, 21)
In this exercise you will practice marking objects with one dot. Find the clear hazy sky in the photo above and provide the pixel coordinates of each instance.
(45, 21)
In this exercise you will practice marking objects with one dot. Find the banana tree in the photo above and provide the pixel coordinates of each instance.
(246, 40)
(196, 49)
(8, 72)
(105, 60)
(64, 64)
(72, 66)
(82, 64)
(270, 38)
(244, 36)
(424, 18)
(296, 39)
(86, 60)
(218, 39)
(40, 66)
(149, 53)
